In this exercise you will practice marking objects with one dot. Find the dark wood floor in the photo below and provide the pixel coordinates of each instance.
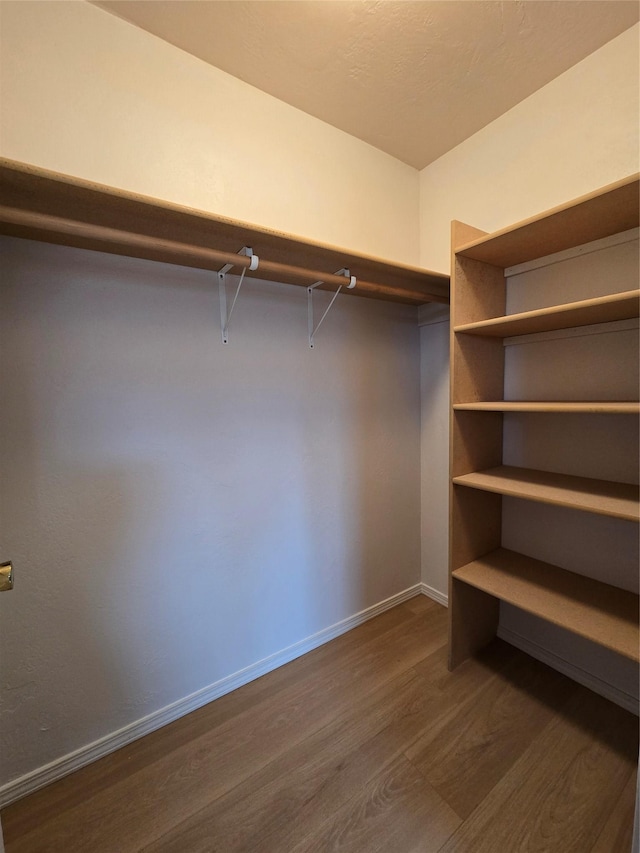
(366, 744)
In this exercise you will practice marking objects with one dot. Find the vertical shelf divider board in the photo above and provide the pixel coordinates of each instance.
(477, 372)
(481, 572)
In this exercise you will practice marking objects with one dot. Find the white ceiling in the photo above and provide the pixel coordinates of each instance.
(412, 78)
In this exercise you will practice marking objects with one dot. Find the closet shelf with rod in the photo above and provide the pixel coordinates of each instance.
(54, 208)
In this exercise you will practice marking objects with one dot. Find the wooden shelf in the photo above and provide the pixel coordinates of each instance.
(587, 607)
(602, 309)
(619, 500)
(607, 211)
(54, 208)
(481, 572)
(605, 408)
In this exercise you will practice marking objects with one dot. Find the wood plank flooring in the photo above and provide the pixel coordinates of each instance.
(365, 745)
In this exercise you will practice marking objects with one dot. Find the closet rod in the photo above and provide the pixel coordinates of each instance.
(45, 225)
(99, 237)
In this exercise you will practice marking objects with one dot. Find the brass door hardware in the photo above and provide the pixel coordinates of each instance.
(6, 577)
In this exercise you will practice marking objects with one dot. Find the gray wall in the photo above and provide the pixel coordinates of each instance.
(178, 509)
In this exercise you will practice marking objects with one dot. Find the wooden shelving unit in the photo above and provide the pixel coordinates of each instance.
(54, 208)
(482, 572)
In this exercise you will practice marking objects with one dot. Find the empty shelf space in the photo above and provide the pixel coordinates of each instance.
(607, 211)
(619, 500)
(601, 309)
(606, 408)
(593, 609)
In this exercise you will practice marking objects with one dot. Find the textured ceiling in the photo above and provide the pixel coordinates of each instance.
(411, 78)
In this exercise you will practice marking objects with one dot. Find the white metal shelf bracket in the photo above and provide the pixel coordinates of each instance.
(313, 329)
(222, 287)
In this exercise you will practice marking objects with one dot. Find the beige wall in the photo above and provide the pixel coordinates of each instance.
(87, 94)
(575, 134)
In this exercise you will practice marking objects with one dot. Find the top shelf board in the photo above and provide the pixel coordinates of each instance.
(34, 200)
(599, 214)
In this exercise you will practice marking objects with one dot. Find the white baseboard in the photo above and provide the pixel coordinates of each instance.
(603, 688)
(430, 592)
(61, 767)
